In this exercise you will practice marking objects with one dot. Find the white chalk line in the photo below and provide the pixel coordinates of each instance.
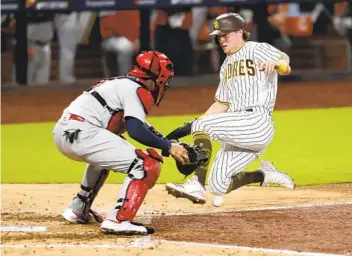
(158, 213)
(27, 229)
(147, 242)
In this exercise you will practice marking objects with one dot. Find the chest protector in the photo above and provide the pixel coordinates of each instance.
(117, 123)
(146, 98)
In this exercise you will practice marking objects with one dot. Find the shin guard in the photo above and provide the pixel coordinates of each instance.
(140, 179)
(88, 194)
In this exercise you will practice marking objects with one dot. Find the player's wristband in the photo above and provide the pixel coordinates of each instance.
(180, 132)
(282, 68)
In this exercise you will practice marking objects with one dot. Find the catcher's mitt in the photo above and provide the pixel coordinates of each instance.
(197, 157)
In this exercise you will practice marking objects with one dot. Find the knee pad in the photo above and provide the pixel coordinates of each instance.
(137, 183)
(124, 45)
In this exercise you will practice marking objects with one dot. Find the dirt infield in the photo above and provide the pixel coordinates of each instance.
(250, 217)
(253, 220)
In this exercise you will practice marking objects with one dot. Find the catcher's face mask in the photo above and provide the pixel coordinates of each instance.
(164, 79)
(147, 66)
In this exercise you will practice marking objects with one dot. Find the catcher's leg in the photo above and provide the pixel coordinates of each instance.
(80, 209)
(142, 176)
(103, 151)
(194, 188)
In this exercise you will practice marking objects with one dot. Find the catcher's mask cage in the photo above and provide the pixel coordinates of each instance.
(157, 67)
(229, 22)
(165, 76)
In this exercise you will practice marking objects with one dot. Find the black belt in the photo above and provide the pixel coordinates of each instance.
(39, 43)
(101, 100)
(251, 110)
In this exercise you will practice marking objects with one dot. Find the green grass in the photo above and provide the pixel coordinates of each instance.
(313, 146)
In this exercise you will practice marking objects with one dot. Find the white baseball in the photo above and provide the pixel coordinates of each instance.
(218, 201)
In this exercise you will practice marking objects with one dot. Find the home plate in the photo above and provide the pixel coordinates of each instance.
(23, 229)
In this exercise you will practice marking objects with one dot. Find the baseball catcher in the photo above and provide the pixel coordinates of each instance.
(90, 130)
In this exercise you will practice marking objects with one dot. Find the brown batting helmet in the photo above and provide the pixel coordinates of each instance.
(229, 22)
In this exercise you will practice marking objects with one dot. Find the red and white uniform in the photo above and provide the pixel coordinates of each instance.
(103, 148)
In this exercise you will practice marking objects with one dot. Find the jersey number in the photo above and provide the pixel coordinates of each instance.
(101, 82)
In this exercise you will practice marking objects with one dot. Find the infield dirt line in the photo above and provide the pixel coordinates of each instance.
(158, 213)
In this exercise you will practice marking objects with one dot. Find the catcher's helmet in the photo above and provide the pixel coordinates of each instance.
(157, 67)
(229, 22)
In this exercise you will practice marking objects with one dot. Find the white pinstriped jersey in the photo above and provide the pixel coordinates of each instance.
(242, 84)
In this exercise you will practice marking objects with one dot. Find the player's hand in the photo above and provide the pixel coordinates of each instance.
(179, 153)
(269, 67)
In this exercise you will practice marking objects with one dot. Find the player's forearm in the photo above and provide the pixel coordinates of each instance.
(185, 130)
(140, 133)
(217, 107)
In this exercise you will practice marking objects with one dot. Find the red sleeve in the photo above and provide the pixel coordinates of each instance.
(146, 98)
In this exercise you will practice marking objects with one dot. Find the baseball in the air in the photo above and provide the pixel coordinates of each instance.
(218, 201)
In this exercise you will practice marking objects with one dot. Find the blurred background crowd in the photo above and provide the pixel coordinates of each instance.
(67, 46)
